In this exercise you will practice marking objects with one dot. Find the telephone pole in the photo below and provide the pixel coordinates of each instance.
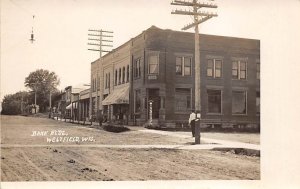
(198, 18)
(99, 38)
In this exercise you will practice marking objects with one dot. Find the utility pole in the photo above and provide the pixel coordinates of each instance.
(22, 93)
(35, 97)
(198, 18)
(100, 39)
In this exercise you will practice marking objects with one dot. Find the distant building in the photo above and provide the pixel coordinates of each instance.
(75, 102)
(158, 66)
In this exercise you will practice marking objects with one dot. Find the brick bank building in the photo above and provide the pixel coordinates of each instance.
(158, 66)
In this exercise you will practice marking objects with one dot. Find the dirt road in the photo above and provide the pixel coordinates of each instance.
(71, 160)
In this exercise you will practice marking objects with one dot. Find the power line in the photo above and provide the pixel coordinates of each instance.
(100, 38)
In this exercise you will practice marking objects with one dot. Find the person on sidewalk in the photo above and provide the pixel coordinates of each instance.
(192, 121)
(100, 117)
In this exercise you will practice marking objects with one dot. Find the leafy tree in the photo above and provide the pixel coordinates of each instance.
(42, 82)
(13, 104)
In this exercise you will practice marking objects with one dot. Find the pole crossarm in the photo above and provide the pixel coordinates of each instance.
(98, 50)
(199, 5)
(193, 13)
(98, 38)
(196, 23)
(93, 30)
(107, 40)
(107, 46)
(99, 44)
(93, 44)
(93, 49)
(99, 35)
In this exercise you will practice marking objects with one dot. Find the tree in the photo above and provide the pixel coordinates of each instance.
(42, 82)
(14, 104)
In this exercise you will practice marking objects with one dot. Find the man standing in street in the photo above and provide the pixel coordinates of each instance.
(192, 121)
(100, 117)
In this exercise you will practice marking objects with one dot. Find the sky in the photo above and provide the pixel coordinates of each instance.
(61, 28)
(61, 31)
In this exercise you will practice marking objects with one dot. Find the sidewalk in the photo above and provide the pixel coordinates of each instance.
(212, 143)
(207, 143)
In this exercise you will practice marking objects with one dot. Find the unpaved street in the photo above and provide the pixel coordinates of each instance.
(22, 159)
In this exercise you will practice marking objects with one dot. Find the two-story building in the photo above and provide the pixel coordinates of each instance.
(110, 82)
(158, 66)
(76, 102)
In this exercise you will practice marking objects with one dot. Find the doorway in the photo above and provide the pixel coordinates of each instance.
(153, 95)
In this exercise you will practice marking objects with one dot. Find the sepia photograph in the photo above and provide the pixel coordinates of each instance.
(149, 94)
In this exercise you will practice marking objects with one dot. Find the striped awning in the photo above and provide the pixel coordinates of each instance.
(118, 96)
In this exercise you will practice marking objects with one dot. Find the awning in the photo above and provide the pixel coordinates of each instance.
(118, 96)
(69, 107)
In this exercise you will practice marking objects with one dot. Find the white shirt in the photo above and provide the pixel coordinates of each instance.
(193, 117)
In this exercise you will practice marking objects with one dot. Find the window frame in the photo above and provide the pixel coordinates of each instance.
(214, 68)
(128, 71)
(116, 77)
(137, 68)
(123, 76)
(179, 66)
(120, 76)
(108, 80)
(183, 66)
(105, 86)
(258, 70)
(98, 83)
(221, 102)
(246, 102)
(188, 98)
(156, 55)
(257, 96)
(239, 69)
(135, 101)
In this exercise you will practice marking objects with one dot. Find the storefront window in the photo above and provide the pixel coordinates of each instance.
(214, 101)
(239, 105)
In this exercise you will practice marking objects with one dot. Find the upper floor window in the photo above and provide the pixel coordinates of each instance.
(257, 70)
(106, 81)
(123, 76)
(137, 68)
(239, 70)
(153, 64)
(98, 83)
(116, 77)
(108, 84)
(94, 84)
(120, 75)
(214, 68)
(127, 73)
(183, 66)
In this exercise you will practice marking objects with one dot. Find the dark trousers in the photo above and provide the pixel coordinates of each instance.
(193, 127)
